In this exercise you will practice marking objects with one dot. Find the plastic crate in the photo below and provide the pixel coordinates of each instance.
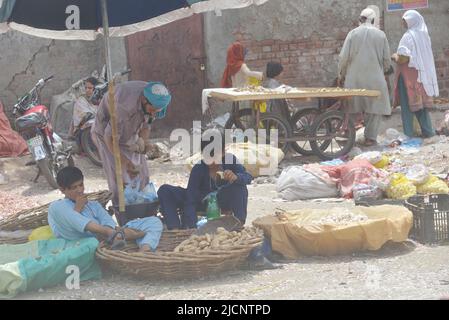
(380, 202)
(430, 218)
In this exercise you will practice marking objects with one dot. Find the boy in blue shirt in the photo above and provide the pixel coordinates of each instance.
(74, 217)
(218, 172)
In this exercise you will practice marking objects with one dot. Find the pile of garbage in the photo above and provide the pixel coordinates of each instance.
(372, 175)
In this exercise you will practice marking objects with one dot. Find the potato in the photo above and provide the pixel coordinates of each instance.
(227, 242)
(222, 237)
(221, 230)
(215, 243)
(203, 244)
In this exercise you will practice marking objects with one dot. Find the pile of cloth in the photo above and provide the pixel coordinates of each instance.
(368, 176)
(336, 230)
(323, 181)
(41, 264)
(11, 143)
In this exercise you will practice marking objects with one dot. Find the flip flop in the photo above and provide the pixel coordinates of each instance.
(117, 245)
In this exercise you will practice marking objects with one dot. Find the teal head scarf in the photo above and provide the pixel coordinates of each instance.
(159, 96)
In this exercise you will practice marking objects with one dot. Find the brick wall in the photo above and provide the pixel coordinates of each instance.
(307, 62)
(312, 61)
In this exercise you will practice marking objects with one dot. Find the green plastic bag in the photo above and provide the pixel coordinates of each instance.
(213, 211)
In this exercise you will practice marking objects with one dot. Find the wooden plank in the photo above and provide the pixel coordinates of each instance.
(294, 93)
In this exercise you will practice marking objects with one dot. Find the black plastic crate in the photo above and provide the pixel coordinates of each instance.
(430, 218)
(380, 202)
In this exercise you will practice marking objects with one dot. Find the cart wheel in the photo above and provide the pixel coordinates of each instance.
(273, 122)
(332, 123)
(302, 122)
(241, 121)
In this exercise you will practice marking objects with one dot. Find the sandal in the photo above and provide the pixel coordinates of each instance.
(119, 244)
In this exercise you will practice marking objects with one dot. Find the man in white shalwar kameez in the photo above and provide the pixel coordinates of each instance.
(363, 61)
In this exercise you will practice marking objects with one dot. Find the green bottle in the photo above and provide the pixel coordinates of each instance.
(213, 211)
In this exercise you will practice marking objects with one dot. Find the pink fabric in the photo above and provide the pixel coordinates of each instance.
(352, 173)
(417, 97)
(11, 143)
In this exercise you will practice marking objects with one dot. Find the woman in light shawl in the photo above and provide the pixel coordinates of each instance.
(237, 73)
(416, 80)
(137, 103)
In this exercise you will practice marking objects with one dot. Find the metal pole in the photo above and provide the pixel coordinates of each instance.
(107, 45)
(112, 109)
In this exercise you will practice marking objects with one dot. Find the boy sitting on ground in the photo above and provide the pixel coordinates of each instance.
(217, 172)
(74, 217)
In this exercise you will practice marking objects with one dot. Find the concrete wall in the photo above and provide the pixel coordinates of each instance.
(306, 36)
(25, 59)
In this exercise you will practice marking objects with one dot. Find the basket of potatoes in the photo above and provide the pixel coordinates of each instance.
(183, 254)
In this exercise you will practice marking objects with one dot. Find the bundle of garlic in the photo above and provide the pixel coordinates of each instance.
(332, 90)
(254, 89)
(221, 240)
(341, 218)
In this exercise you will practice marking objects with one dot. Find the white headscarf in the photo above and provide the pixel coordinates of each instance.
(417, 45)
(369, 14)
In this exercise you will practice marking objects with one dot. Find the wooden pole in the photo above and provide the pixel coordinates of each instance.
(112, 110)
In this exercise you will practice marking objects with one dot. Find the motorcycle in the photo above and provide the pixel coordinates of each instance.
(82, 133)
(48, 150)
(84, 139)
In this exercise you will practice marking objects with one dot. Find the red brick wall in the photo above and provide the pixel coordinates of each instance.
(306, 62)
(312, 61)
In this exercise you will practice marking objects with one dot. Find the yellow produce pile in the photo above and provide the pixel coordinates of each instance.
(221, 240)
(383, 163)
(400, 187)
(433, 185)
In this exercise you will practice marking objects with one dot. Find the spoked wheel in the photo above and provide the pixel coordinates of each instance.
(270, 122)
(301, 123)
(89, 147)
(245, 120)
(50, 170)
(335, 135)
(240, 122)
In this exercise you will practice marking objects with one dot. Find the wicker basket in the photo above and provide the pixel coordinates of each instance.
(37, 217)
(168, 265)
(13, 240)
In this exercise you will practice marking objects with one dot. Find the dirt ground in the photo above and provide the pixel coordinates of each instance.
(398, 271)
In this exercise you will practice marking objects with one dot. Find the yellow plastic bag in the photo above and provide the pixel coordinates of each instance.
(382, 163)
(400, 187)
(433, 185)
(261, 105)
(41, 233)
